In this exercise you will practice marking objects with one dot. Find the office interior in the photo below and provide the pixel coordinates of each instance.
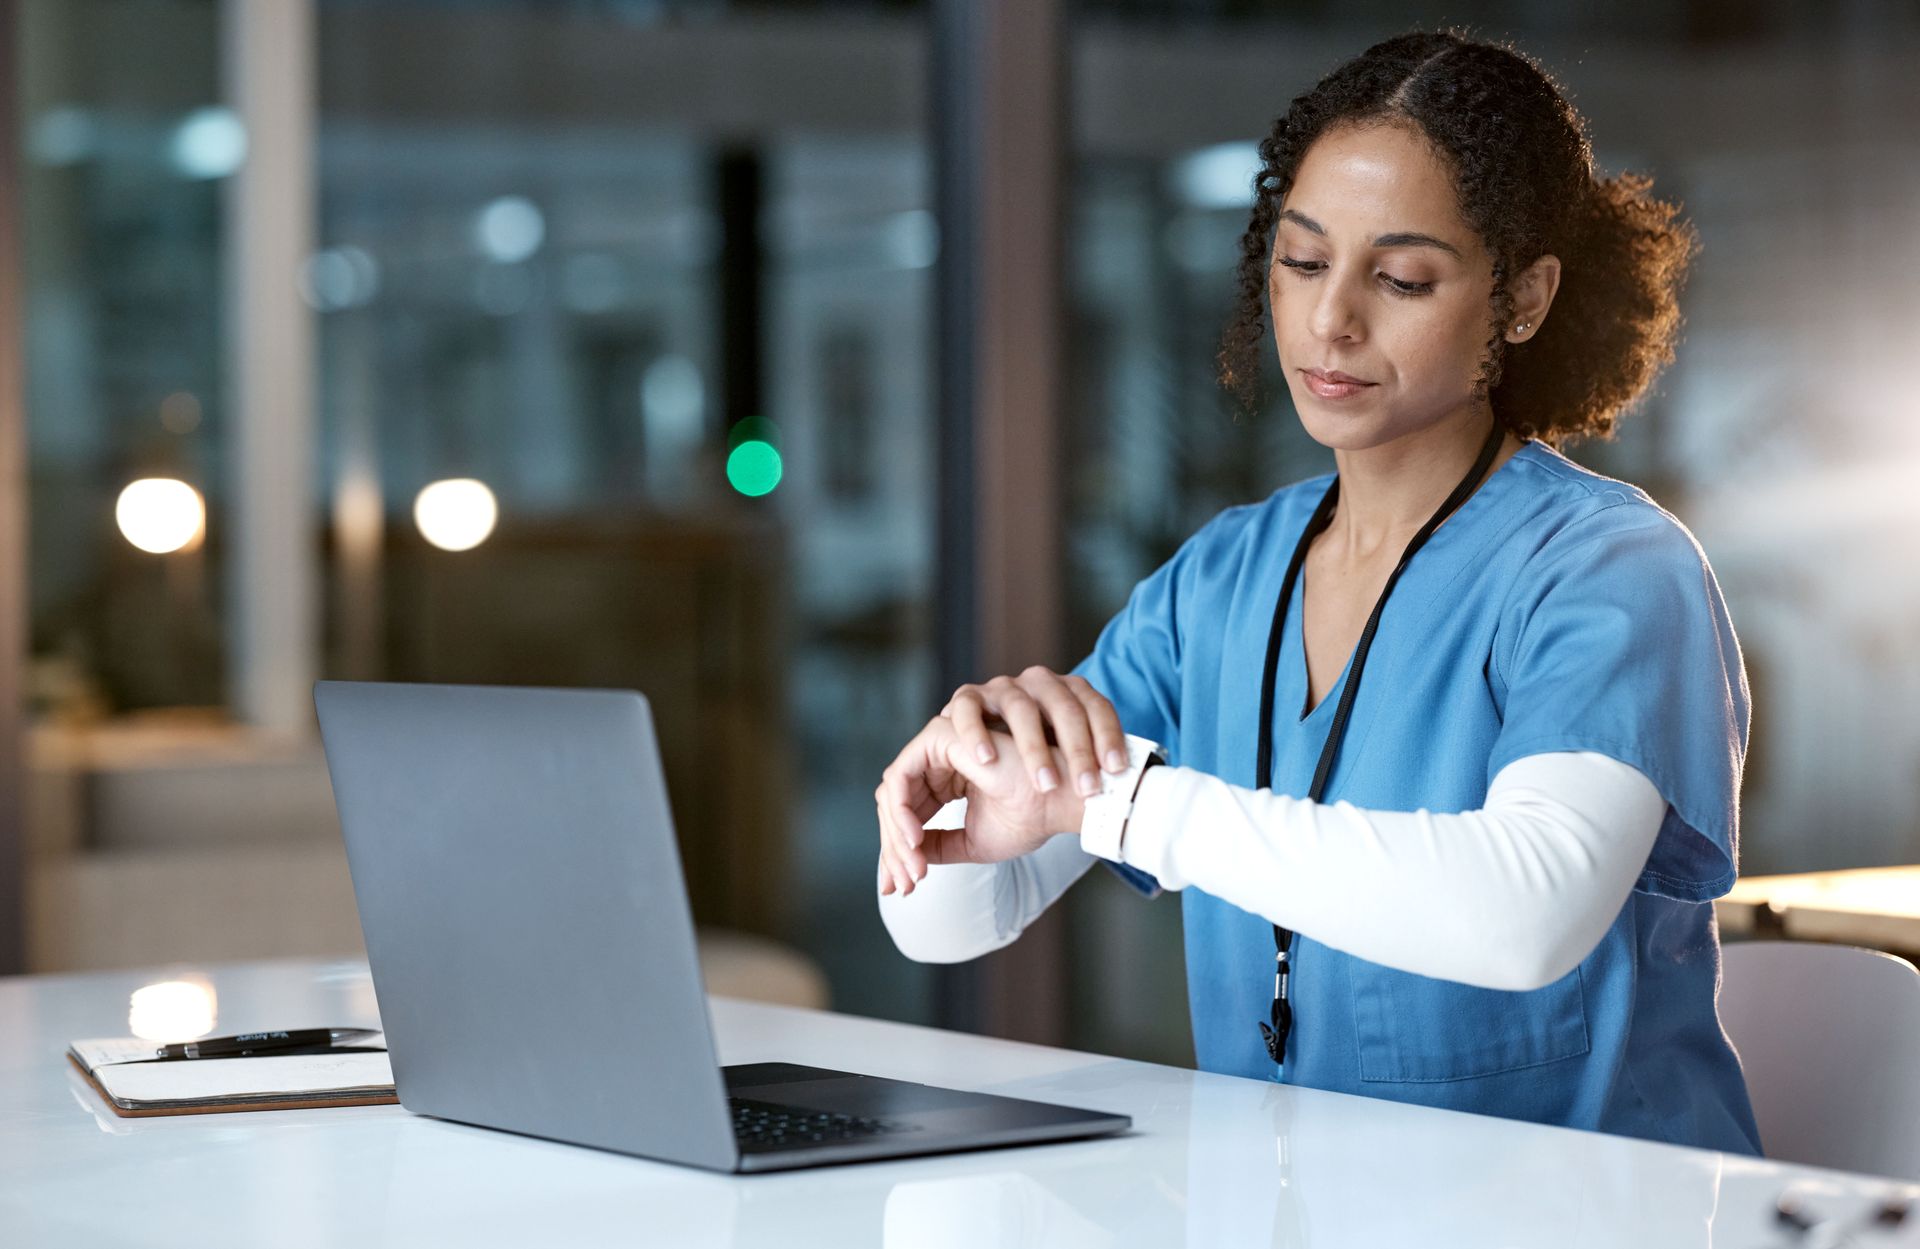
(793, 362)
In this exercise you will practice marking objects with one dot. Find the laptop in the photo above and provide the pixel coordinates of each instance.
(532, 947)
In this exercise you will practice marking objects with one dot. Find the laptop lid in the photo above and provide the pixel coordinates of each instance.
(526, 921)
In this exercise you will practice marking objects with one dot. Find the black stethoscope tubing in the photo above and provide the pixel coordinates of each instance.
(1274, 1034)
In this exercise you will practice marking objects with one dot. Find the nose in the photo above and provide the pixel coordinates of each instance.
(1336, 311)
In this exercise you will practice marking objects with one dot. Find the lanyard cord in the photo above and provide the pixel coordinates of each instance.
(1275, 1034)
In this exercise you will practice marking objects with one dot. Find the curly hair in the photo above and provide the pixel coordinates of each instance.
(1524, 169)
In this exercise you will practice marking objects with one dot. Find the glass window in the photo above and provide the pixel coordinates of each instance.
(690, 352)
(623, 361)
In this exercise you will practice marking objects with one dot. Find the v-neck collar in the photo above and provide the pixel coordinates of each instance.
(1298, 608)
(1306, 672)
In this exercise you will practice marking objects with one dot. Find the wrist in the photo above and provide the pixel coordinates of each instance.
(1066, 812)
(1104, 816)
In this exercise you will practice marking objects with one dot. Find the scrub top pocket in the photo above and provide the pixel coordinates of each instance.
(1413, 1028)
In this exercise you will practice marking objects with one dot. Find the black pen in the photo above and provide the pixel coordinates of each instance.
(248, 1044)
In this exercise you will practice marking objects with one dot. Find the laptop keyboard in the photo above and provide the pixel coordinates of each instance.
(761, 1126)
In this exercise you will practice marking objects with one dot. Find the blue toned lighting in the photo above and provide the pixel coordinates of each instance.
(593, 282)
(339, 278)
(672, 396)
(210, 143)
(913, 239)
(509, 229)
(1220, 176)
(62, 136)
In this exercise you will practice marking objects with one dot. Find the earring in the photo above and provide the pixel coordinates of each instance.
(1523, 327)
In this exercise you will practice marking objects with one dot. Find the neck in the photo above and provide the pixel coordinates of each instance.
(1387, 492)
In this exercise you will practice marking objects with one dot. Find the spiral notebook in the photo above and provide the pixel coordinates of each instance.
(131, 1086)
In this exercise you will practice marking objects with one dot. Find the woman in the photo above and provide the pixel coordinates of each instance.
(1455, 736)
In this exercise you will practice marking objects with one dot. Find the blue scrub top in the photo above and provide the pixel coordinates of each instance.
(1556, 610)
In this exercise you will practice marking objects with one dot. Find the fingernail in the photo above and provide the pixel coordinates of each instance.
(1089, 784)
(1046, 780)
(1116, 761)
(983, 752)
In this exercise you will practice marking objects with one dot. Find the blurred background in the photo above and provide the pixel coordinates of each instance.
(793, 363)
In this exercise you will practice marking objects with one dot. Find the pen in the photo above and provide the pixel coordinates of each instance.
(247, 1044)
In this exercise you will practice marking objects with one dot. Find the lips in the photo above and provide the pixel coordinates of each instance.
(1333, 384)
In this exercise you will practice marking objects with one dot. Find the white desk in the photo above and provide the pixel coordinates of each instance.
(1213, 1161)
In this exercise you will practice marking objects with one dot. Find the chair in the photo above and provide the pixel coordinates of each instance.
(1829, 1037)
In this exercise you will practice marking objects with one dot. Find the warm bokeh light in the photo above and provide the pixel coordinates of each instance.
(159, 514)
(173, 1010)
(456, 514)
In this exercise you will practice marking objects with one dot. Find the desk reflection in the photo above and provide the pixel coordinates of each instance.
(1330, 1170)
(1214, 1162)
(1056, 1196)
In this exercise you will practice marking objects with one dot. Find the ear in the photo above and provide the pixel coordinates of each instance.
(1533, 291)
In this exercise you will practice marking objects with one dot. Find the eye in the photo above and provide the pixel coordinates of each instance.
(1311, 268)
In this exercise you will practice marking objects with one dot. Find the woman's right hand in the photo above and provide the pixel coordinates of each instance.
(1006, 817)
(1084, 725)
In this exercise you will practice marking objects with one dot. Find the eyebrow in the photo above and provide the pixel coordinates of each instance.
(1399, 238)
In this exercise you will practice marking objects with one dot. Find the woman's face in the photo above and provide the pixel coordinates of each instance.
(1379, 289)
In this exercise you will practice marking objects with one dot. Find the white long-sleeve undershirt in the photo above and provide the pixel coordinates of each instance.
(1511, 896)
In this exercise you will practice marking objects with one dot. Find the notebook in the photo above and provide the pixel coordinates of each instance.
(132, 1087)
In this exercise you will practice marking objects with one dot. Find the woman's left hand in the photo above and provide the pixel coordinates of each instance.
(1006, 815)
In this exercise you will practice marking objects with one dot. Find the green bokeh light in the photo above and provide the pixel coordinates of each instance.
(753, 468)
(753, 429)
